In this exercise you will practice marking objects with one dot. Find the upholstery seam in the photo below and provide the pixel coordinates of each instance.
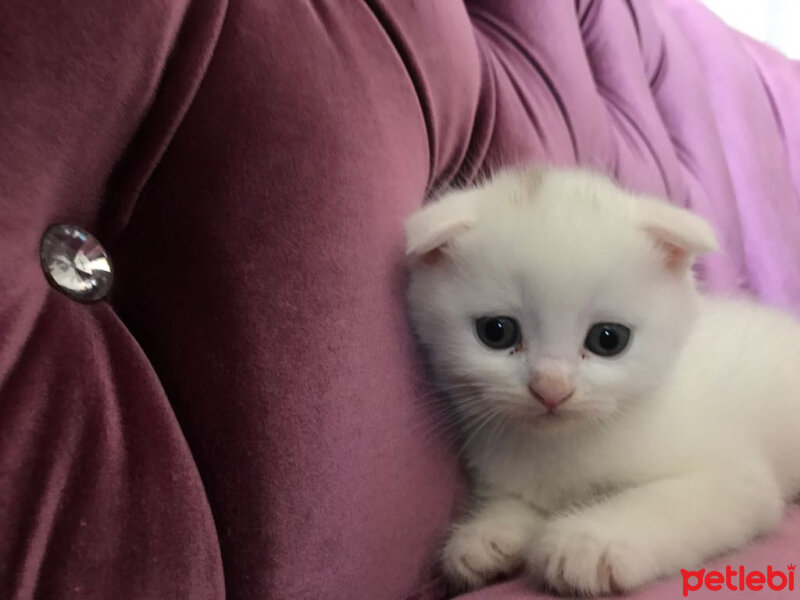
(133, 171)
(412, 69)
(607, 95)
(520, 47)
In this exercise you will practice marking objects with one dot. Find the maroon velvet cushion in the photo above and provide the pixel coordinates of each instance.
(249, 165)
(100, 496)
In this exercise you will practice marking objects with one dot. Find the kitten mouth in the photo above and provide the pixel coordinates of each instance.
(550, 415)
(547, 419)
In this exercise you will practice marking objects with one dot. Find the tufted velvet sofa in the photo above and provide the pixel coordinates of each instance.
(244, 416)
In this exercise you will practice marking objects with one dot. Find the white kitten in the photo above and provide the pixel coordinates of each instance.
(618, 425)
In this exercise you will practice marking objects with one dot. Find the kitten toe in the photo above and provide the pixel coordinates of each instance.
(477, 553)
(572, 558)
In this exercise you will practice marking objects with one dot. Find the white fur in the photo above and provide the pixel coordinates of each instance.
(685, 445)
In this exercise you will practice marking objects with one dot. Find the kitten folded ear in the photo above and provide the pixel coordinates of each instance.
(680, 234)
(433, 226)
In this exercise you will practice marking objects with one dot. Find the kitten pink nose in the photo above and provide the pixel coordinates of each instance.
(551, 383)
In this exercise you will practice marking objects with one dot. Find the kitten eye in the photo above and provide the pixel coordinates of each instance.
(607, 339)
(498, 333)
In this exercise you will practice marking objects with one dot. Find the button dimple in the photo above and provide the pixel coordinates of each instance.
(75, 263)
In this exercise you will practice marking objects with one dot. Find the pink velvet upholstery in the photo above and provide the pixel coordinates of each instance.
(245, 418)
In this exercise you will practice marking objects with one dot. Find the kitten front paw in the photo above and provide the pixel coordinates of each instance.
(480, 551)
(579, 555)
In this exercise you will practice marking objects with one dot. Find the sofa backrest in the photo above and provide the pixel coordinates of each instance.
(247, 412)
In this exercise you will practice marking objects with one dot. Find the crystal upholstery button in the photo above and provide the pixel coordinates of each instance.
(75, 263)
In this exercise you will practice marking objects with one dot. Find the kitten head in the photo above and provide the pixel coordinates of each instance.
(551, 298)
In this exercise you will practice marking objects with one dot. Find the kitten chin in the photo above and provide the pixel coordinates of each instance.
(581, 357)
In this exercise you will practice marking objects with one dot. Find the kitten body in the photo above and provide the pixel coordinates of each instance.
(683, 445)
